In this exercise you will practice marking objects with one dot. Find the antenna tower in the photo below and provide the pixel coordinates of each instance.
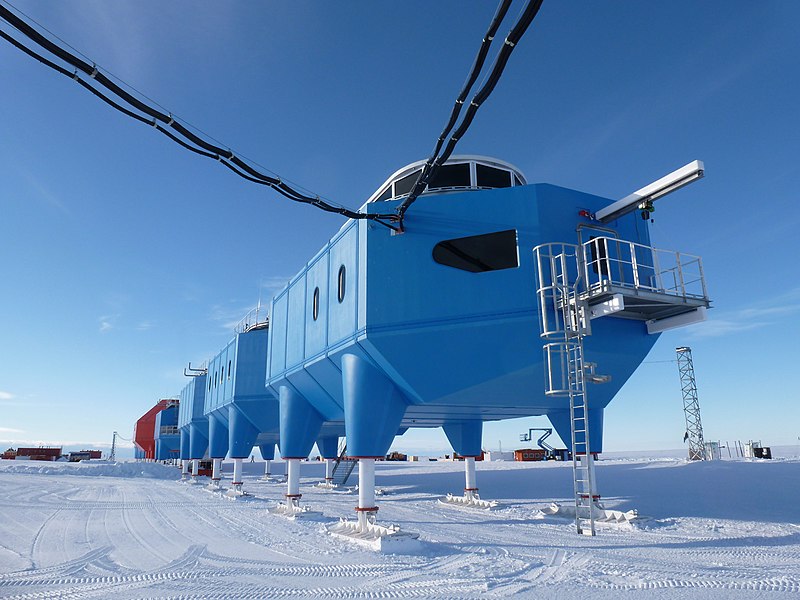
(113, 452)
(691, 406)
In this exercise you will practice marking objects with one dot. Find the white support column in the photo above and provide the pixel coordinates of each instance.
(366, 493)
(267, 474)
(293, 481)
(329, 462)
(184, 470)
(471, 489)
(216, 468)
(195, 469)
(237, 474)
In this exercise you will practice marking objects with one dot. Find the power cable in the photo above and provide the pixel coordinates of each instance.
(191, 141)
(511, 41)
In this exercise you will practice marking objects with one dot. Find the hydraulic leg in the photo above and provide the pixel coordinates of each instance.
(216, 469)
(367, 511)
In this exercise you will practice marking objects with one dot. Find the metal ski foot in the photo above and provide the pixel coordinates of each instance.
(236, 492)
(376, 537)
(293, 510)
(601, 515)
(328, 485)
(214, 486)
(469, 501)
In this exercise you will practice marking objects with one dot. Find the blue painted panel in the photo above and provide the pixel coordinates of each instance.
(192, 406)
(342, 315)
(250, 364)
(316, 333)
(295, 336)
(277, 333)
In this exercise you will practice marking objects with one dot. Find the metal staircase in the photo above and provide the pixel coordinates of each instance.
(344, 467)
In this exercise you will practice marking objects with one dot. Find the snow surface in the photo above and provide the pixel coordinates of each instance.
(727, 529)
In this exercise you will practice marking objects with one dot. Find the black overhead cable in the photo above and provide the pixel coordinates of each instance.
(433, 163)
(477, 67)
(195, 143)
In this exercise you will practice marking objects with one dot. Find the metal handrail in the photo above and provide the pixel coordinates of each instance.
(256, 318)
(610, 261)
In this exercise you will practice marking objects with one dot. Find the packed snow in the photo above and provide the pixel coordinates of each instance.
(722, 529)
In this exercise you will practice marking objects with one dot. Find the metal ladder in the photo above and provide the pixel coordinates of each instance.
(565, 318)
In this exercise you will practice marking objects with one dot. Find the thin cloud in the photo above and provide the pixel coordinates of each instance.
(6, 395)
(10, 430)
(145, 325)
(749, 318)
(107, 323)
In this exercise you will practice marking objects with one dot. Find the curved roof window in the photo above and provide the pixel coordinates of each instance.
(458, 173)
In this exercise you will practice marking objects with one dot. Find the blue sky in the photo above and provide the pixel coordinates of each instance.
(124, 257)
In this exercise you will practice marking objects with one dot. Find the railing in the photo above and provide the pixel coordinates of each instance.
(612, 262)
(257, 318)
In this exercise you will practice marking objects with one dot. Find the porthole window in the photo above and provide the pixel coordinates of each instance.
(315, 304)
(342, 281)
(479, 253)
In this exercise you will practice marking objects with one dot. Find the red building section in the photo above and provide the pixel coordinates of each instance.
(144, 430)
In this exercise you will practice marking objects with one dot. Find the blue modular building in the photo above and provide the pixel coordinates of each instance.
(440, 325)
(166, 434)
(192, 420)
(241, 412)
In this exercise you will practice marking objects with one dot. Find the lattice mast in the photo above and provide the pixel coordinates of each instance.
(691, 405)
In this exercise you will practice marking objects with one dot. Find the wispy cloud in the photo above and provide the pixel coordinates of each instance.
(10, 430)
(145, 325)
(6, 395)
(748, 318)
(107, 322)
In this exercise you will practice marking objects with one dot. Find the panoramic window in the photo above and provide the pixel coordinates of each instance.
(451, 176)
(479, 253)
(387, 193)
(342, 282)
(315, 304)
(403, 185)
(492, 177)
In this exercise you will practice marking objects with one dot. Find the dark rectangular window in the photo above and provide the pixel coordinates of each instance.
(479, 253)
(387, 193)
(491, 177)
(404, 185)
(451, 176)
